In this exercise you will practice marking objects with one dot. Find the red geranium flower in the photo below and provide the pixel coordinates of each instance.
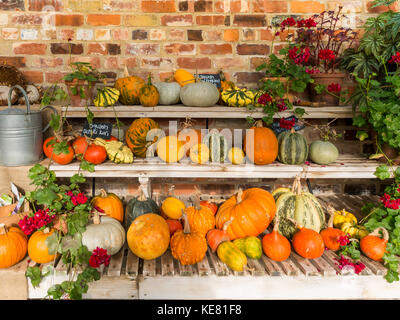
(264, 99)
(287, 124)
(326, 54)
(395, 58)
(334, 87)
(299, 55)
(308, 23)
(98, 257)
(288, 22)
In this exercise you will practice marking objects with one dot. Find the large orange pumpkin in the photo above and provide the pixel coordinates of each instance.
(261, 144)
(129, 87)
(37, 247)
(148, 236)
(110, 204)
(252, 211)
(13, 246)
(137, 138)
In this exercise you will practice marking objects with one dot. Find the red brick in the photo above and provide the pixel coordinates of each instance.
(250, 20)
(33, 76)
(252, 49)
(120, 34)
(142, 49)
(158, 6)
(94, 61)
(248, 77)
(66, 34)
(203, 6)
(12, 5)
(266, 35)
(30, 48)
(306, 7)
(211, 20)
(193, 63)
(104, 19)
(165, 75)
(18, 62)
(195, 35)
(129, 62)
(233, 6)
(249, 35)
(97, 48)
(216, 48)
(256, 61)
(53, 77)
(179, 20)
(157, 63)
(177, 34)
(47, 62)
(231, 35)
(139, 35)
(69, 20)
(45, 5)
(270, 6)
(230, 63)
(27, 19)
(66, 48)
(180, 48)
(213, 35)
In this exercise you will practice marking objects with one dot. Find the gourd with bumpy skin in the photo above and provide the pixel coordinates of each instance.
(106, 96)
(323, 152)
(230, 254)
(110, 203)
(342, 216)
(106, 233)
(169, 92)
(148, 94)
(199, 94)
(117, 152)
(137, 136)
(217, 145)
(292, 147)
(129, 87)
(13, 246)
(138, 206)
(250, 246)
(303, 207)
(237, 97)
(201, 219)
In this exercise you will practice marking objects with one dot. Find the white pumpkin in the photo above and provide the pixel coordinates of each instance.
(169, 92)
(105, 232)
(199, 94)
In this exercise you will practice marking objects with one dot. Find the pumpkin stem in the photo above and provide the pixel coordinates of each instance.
(258, 124)
(222, 75)
(3, 230)
(149, 79)
(292, 130)
(171, 191)
(96, 217)
(226, 224)
(239, 196)
(331, 212)
(103, 193)
(46, 230)
(297, 225)
(276, 223)
(384, 231)
(197, 198)
(296, 187)
(186, 226)
(126, 73)
(142, 196)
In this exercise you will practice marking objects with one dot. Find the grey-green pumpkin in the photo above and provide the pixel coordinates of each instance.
(217, 144)
(199, 94)
(138, 206)
(292, 147)
(323, 152)
(169, 92)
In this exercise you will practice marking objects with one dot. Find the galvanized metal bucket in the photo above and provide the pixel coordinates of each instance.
(21, 133)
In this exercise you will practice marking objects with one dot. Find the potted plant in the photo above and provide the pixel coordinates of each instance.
(323, 40)
(80, 83)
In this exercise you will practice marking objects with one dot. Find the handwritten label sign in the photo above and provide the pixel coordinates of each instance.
(97, 129)
(215, 79)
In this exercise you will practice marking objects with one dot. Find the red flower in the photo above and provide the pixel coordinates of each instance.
(326, 54)
(98, 257)
(390, 203)
(395, 58)
(334, 87)
(343, 262)
(264, 99)
(281, 105)
(288, 22)
(40, 219)
(312, 70)
(344, 240)
(299, 55)
(308, 23)
(287, 124)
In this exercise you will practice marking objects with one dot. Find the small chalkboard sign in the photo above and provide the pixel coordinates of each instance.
(215, 79)
(97, 130)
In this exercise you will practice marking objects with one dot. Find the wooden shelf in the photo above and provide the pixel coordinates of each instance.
(217, 112)
(347, 166)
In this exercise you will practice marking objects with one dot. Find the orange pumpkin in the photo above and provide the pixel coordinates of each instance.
(138, 134)
(373, 246)
(148, 236)
(331, 235)
(190, 137)
(148, 94)
(209, 204)
(183, 77)
(110, 204)
(174, 225)
(201, 219)
(276, 246)
(129, 87)
(13, 246)
(189, 247)
(252, 211)
(62, 158)
(261, 144)
(307, 242)
(37, 247)
(217, 236)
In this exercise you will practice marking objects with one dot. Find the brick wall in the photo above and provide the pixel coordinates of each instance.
(149, 35)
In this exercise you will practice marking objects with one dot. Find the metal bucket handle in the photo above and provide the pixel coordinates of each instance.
(54, 110)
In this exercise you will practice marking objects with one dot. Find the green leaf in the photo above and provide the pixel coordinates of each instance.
(86, 166)
(382, 172)
(35, 275)
(45, 196)
(361, 135)
(52, 243)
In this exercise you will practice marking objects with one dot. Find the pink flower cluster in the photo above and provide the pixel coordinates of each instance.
(287, 124)
(312, 70)
(334, 87)
(264, 99)
(326, 54)
(80, 198)
(390, 203)
(343, 262)
(299, 55)
(395, 58)
(344, 240)
(98, 257)
(40, 219)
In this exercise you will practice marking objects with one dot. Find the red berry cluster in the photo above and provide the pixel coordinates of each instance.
(264, 99)
(40, 219)
(334, 87)
(80, 198)
(343, 262)
(299, 55)
(287, 124)
(98, 257)
(390, 203)
(395, 58)
(326, 54)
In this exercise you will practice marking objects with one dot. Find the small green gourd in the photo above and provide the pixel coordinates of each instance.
(250, 246)
(229, 254)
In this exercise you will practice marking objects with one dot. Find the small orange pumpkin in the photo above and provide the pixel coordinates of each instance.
(174, 225)
(110, 204)
(201, 219)
(373, 246)
(331, 235)
(307, 242)
(276, 246)
(13, 246)
(217, 236)
(37, 247)
(183, 77)
(148, 94)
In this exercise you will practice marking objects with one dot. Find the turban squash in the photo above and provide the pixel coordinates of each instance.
(252, 210)
(129, 87)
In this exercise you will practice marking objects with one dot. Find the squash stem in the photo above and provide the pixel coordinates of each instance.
(239, 196)
(96, 217)
(103, 193)
(186, 226)
(3, 230)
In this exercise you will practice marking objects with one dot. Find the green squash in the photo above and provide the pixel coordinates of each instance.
(251, 246)
(302, 207)
(230, 254)
(217, 144)
(169, 92)
(292, 147)
(199, 94)
(138, 206)
(323, 152)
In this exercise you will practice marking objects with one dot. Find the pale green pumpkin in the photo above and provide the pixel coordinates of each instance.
(323, 152)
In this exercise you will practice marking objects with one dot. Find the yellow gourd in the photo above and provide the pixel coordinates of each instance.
(342, 216)
(116, 150)
(237, 97)
(354, 231)
(230, 254)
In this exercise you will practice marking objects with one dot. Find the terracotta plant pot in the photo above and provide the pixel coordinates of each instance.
(325, 79)
(80, 92)
(293, 95)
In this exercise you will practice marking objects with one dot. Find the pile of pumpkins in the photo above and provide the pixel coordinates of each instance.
(183, 87)
(232, 229)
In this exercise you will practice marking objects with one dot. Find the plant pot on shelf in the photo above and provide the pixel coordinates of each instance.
(390, 152)
(293, 96)
(326, 79)
(80, 92)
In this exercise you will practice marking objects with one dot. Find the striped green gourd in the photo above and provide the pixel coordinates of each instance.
(217, 144)
(292, 147)
(302, 207)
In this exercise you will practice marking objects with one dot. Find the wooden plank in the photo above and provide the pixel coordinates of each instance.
(323, 267)
(185, 270)
(330, 257)
(305, 265)
(115, 266)
(167, 264)
(203, 267)
(220, 268)
(257, 269)
(375, 266)
(149, 268)
(132, 264)
(273, 268)
(290, 268)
